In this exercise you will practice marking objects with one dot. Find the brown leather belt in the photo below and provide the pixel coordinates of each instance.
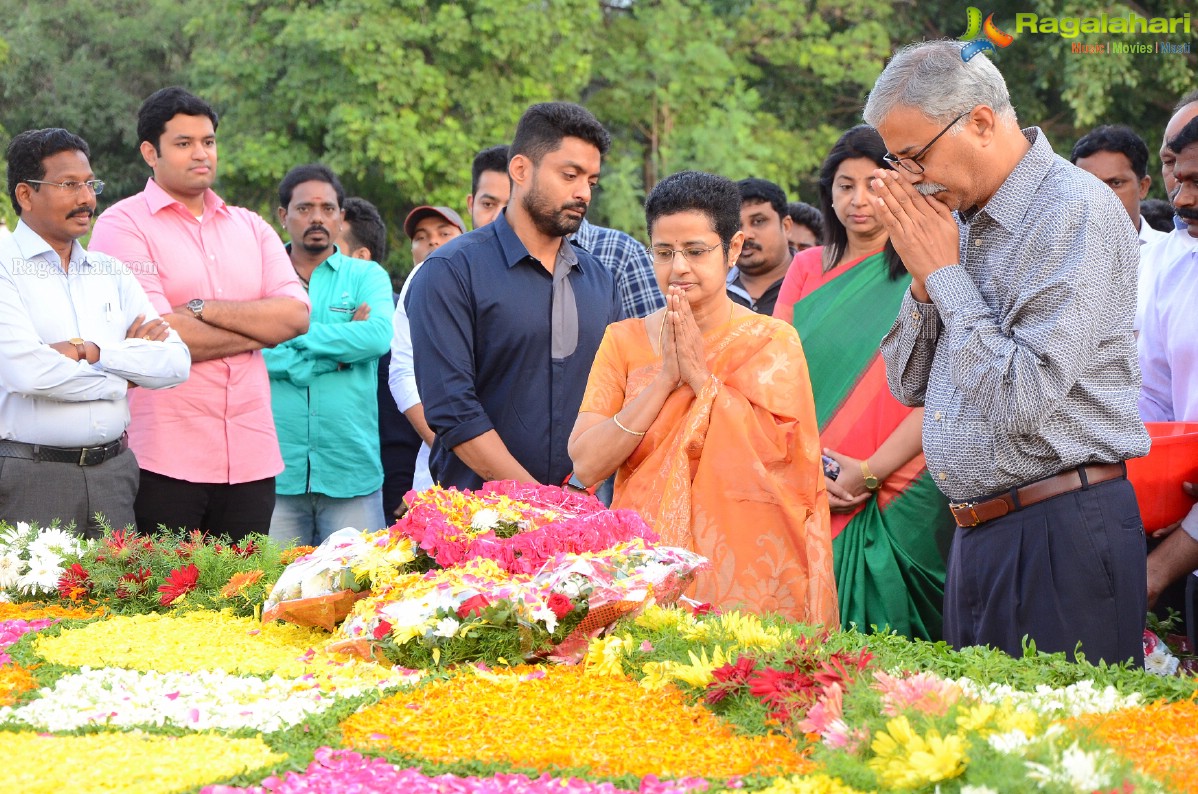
(82, 456)
(971, 514)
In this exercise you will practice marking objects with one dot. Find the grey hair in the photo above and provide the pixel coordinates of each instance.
(932, 78)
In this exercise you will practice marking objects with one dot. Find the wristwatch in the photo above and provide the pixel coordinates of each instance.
(196, 307)
(871, 482)
(80, 346)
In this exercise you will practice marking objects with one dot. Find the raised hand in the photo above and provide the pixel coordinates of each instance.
(692, 357)
(923, 230)
(669, 351)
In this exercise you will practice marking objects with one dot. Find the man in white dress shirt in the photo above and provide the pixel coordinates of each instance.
(76, 333)
(1169, 354)
(1168, 248)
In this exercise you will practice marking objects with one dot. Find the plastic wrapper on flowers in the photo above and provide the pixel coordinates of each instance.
(320, 588)
(478, 612)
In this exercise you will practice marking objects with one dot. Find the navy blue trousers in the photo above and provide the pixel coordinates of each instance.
(1070, 570)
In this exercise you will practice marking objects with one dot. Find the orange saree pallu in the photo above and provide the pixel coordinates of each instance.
(733, 472)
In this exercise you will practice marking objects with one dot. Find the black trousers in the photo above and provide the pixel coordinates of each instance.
(216, 508)
(1070, 570)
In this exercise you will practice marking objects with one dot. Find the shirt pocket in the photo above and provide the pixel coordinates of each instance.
(340, 309)
(103, 320)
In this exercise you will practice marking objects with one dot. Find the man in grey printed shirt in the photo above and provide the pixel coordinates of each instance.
(1016, 336)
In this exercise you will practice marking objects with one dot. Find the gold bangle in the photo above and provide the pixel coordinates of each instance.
(626, 430)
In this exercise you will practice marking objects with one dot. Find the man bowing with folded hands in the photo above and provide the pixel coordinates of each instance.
(1016, 337)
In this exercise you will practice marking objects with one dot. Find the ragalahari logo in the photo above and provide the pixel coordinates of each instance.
(982, 36)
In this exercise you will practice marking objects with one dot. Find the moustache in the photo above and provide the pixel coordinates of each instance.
(581, 206)
(929, 188)
(750, 246)
(317, 228)
(88, 211)
(1186, 213)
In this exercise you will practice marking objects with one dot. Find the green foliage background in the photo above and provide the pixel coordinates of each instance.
(398, 95)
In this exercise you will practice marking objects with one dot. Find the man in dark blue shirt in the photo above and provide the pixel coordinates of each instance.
(506, 319)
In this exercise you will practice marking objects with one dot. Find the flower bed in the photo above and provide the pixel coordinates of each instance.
(138, 692)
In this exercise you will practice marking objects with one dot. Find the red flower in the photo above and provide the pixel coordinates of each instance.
(196, 539)
(702, 609)
(382, 630)
(842, 667)
(74, 584)
(560, 604)
(729, 679)
(473, 605)
(785, 693)
(179, 582)
(123, 545)
(132, 584)
(248, 550)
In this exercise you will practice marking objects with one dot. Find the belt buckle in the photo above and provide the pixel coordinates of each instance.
(972, 508)
(90, 456)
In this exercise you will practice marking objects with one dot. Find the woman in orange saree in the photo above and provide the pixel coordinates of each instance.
(704, 411)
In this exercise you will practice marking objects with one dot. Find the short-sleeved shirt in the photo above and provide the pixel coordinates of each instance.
(217, 427)
(482, 313)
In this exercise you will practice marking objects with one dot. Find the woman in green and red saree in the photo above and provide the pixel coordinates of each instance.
(890, 524)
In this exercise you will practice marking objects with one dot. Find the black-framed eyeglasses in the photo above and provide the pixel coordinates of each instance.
(94, 185)
(665, 256)
(912, 163)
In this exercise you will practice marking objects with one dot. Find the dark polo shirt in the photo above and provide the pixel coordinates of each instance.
(487, 321)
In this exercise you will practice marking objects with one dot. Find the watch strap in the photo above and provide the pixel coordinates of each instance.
(80, 347)
(871, 482)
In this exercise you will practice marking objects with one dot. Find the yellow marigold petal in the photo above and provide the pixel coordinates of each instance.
(564, 718)
(108, 763)
(1160, 739)
(206, 641)
(33, 610)
(14, 682)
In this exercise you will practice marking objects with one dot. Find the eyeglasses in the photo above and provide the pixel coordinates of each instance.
(912, 163)
(94, 185)
(665, 256)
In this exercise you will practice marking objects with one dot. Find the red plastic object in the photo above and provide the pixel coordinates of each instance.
(1157, 477)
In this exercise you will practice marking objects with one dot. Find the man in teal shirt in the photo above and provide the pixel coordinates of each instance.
(324, 383)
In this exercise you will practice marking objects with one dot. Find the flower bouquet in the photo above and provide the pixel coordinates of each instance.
(513, 572)
(478, 612)
(319, 588)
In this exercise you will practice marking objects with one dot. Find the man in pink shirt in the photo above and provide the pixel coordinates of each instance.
(221, 277)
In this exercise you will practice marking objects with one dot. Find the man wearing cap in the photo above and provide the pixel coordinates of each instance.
(428, 228)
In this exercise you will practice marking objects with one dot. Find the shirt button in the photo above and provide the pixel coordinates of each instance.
(915, 316)
(937, 416)
(977, 243)
(942, 476)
